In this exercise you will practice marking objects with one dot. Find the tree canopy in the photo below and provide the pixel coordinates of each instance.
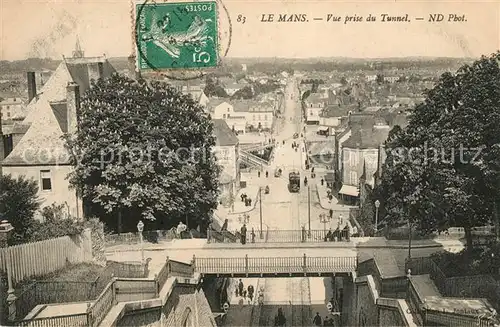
(18, 204)
(214, 89)
(145, 150)
(442, 170)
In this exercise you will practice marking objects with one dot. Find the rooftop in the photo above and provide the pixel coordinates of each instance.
(42, 144)
(224, 135)
(251, 106)
(366, 138)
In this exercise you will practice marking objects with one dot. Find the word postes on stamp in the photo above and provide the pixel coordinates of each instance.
(177, 35)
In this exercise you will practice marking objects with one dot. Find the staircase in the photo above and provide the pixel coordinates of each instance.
(252, 160)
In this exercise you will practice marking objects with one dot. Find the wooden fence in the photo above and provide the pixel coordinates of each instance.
(44, 257)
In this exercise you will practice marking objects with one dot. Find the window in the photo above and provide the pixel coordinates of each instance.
(354, 178)
(353, 158)
(45, 180)
(223, 115)
(228, 109)
(8, 114)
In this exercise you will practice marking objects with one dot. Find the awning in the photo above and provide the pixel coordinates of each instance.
(349, 190)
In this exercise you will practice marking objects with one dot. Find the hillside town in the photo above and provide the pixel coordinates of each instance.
(314, 220)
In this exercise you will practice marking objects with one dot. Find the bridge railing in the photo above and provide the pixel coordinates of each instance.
(284, 236)
(253, 265)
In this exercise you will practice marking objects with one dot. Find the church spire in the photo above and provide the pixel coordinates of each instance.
(78, 53)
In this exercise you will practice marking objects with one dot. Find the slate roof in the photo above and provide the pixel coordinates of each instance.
(364, 138)
(337, 111)
(42, 144)
(224, 135)
(251, 106)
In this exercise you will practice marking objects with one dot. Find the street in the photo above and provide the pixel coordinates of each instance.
(283, 210)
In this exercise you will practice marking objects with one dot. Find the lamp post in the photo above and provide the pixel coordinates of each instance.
(324, 218)
(140, 228)
(5, 230)
(409, 239)
(260, 212)
(377, 205)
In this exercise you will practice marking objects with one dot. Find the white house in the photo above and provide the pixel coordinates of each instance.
(315, 103)
(227, 154)
(259, 114)
(223, 109)
(40, 153)
(11, 107)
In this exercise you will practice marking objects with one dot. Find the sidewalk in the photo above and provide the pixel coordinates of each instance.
(325, 202)
(355, 243)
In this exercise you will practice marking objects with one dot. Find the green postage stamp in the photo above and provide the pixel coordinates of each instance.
(176, 35)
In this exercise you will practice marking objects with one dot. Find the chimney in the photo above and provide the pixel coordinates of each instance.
(380, 162)
(72, 106)
(31, 85)
(95, 70)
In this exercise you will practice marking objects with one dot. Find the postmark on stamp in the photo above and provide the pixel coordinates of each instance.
(177, 35)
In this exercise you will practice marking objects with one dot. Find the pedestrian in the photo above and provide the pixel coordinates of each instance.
(236, 290)
(312, 170)
(250, 291)
(328, 236)
(240, 288)
(326, 322)
(267, 174)
(258, 173)
(279, 319)
(243, 234)
(317, 320)
(224, 226)
(242, 196)
(253, 235)
(245, 294)
(331, 213)
(249, 202)
(322, 182)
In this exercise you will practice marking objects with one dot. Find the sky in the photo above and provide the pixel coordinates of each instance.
(48, 28)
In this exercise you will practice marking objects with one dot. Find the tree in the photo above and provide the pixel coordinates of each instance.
(18, 204)
(247, 92)
(343, 80)
(379, 79)
(144, 149)
(442, 169)
(214, 89)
